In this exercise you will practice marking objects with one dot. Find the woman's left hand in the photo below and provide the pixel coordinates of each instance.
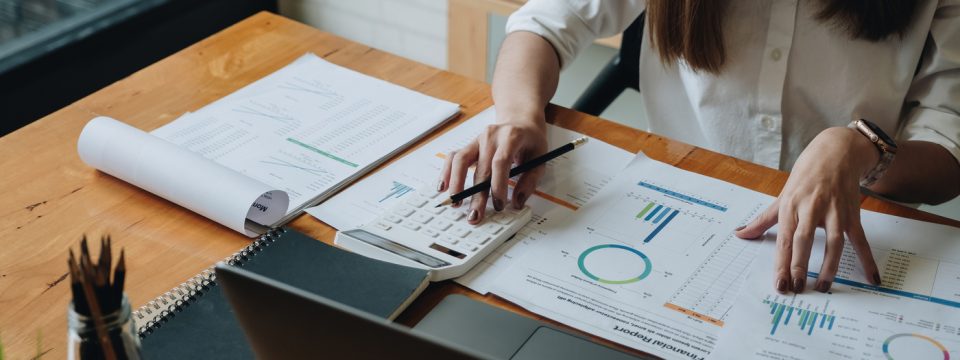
(823, 190)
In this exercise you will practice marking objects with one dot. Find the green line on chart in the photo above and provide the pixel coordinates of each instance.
(321, 152)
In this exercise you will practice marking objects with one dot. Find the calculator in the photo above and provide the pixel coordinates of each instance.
(417, 233)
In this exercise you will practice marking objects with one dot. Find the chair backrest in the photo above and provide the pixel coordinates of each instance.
(629, 55)
(620, 73)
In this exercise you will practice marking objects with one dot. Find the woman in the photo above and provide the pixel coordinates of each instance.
(773, 82)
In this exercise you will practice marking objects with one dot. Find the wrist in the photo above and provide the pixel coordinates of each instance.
(862, 153)
(521, 117)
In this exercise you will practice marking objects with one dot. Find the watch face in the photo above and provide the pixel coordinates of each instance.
(879, 132)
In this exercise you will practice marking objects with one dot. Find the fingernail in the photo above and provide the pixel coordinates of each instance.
(497, 204)
(474, 215)
(876, 279)
(782, 285)
(441, 186)
(518, 199)
(740, 228)
(798, 285)
(823, 285)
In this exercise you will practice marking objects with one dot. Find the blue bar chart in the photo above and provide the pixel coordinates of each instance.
(658, 215)
(803, 317)
(398, 190)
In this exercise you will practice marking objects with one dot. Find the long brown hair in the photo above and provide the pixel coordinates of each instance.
(691, 30)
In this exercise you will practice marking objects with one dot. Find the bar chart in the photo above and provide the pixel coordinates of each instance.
(657, 216)
(805, 316)
(398, 190)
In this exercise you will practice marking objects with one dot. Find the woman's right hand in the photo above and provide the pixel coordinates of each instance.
(508, 142)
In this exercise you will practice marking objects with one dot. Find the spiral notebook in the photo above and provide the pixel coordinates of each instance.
(194, 320)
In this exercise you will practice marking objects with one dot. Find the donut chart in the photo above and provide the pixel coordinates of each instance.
(935, 343)
(647, 265)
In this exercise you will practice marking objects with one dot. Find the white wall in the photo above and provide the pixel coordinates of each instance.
(415, 29)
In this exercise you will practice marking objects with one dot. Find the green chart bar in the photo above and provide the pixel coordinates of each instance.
(644, 212)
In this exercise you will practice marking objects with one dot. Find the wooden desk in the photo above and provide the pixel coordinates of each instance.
(50, 198)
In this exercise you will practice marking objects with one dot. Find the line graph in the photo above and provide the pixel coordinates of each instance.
(283, 163)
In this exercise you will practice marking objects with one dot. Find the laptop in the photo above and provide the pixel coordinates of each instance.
(281, 322)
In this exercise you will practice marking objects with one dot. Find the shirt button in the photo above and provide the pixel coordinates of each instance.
(767, 122)
(775, 54)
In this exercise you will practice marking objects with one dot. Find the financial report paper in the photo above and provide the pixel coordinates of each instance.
(309, 128)
(569, 182)
(912, 315)
(651, 262)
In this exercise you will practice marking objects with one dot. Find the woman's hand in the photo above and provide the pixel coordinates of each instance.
(495, 151)
(823, 191)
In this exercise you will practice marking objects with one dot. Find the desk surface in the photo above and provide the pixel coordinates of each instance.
(50, 198)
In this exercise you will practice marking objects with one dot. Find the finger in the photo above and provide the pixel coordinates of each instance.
(788, 225)
(500, 164)
(445, 172)
(859, 241)
(526, 186)
(478, 204)
(802, 243)
(832, 252)
(761, 223)
(459, 166)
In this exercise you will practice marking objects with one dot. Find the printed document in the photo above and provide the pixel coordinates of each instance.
(914, 314)
(651, 262)
(305, 131)
(570, 182)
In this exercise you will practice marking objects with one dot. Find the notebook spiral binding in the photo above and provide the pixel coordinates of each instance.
(165, 306)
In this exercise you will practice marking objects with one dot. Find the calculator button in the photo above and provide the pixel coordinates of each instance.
(416, 201)
(422, 218)
(450, 240)
(411, 225)
(431, 232)
(479, 238)
(460, 231)
(403, 211)
(381, 225)
(436, 210)
(491, 228)
(432, 194)
(441, 224)
(454, 215)
(502, 218)
(393, 218)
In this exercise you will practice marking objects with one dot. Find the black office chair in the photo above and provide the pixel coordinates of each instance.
(622, 72)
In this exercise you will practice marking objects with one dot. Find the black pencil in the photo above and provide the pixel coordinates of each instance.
(520, 169)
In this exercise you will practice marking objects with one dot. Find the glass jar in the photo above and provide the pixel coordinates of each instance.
(83, 342)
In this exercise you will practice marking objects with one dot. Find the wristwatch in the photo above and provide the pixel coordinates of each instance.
(884, 143)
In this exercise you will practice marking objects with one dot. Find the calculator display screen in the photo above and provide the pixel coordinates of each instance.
(395, 248)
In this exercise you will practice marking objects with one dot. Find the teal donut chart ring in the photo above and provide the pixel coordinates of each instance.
(648, 266)
(886, 344)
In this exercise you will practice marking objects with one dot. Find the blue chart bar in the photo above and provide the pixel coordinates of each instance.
(680, 196)
(661, 226)
(397, 191)
(654, 212)
(662, 213)
(884, 290)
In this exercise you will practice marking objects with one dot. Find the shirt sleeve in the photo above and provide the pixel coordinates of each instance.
(934, 97)
(571, 25)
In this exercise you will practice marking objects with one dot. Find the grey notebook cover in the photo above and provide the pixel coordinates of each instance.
(205, 327)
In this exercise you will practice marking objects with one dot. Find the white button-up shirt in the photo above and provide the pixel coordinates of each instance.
(787, 75)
